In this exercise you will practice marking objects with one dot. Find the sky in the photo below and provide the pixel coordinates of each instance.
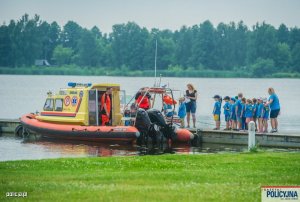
(162, 14)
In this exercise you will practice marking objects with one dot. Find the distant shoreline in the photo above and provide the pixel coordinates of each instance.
(104, 71)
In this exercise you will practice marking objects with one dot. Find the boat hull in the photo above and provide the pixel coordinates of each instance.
(75, 132)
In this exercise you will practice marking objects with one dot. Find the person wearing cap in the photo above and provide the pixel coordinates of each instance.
(232, 113)
(274, 104)
(226, 108)
(217, 111)
(259, 114)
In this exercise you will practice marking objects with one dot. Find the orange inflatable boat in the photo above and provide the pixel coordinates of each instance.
(78, 113)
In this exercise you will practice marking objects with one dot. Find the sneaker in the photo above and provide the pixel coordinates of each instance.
(273, 131)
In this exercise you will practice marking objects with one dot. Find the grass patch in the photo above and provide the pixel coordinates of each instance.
(216, 177)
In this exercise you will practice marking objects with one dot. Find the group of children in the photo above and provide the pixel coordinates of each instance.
(239, 111)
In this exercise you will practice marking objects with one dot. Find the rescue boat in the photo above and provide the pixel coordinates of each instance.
(75, 113)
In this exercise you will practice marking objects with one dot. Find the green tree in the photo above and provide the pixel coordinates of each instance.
(128, 45)
(263, 67)
(70, 35)
(283, 56)
(262, 43)
(62, 55)
(296, 57)
(5, 47)
(283, 34)
(294, 37)
(183, 46)
(88, 52)
(203, 50)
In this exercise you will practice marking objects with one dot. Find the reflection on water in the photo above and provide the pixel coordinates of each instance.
(12, 148)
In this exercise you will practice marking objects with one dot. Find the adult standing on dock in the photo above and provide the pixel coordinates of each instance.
(273, 101)
(191, 105)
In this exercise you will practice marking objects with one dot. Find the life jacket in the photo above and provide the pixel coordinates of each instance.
(144, 104)
(168, 100)
(105, 99)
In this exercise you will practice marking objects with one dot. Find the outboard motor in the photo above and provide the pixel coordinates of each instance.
(142, 122)
(156, 117)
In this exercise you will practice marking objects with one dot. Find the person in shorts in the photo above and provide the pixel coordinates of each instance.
(232, 114)
(227, 109)
(274, 104)
(191, 105)
(259, 114)
(217, 111)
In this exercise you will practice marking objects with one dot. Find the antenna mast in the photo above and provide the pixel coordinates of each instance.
(155, 62)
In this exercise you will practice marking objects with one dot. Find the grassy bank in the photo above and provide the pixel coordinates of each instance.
(101, 71)
(220, 177)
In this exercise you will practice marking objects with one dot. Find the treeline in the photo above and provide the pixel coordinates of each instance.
(258, 51)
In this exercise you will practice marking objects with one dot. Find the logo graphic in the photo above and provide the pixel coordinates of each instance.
(74, 100)
(67, 100)
(280, 193)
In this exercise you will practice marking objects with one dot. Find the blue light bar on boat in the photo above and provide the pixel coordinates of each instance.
(73, 84)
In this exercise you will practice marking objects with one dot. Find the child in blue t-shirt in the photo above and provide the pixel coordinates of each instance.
(233, 114)
(227, 109)
(266, 114)
(168, 110)
(259, 114)
(182, 111)
(217, 111)
(248, 111)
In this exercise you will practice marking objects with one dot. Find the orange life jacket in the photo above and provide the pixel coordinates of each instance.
(105, 99)
(168, 100)
(144, 104)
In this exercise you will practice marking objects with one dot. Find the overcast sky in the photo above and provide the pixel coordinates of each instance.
(162, 14)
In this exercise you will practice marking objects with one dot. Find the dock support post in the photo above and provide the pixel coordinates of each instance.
(251, 135)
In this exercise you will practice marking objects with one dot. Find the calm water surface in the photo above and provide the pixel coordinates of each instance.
(12, 148)
(23, 94)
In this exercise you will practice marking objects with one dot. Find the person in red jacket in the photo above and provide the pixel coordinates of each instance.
(142, 99)
(106, 106)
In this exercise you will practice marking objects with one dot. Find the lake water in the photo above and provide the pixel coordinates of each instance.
(22, 94)
(12, 148)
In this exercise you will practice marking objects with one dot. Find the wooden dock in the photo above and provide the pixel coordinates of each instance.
(286, 140)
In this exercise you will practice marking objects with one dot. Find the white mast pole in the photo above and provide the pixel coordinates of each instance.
(155, 62)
